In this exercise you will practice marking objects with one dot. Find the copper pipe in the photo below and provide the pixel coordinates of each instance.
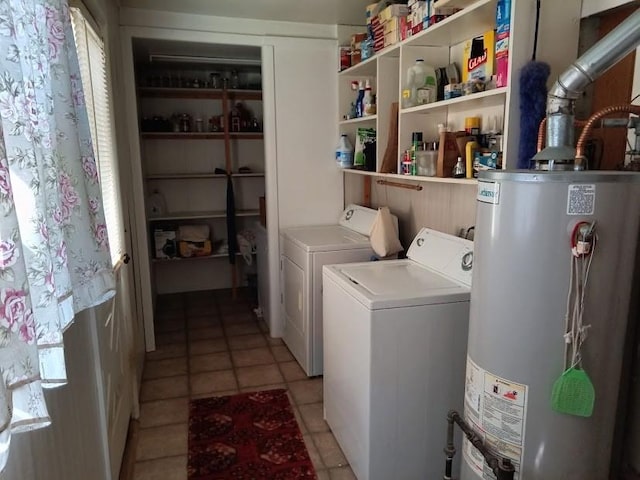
(586, 132)
(542, 131)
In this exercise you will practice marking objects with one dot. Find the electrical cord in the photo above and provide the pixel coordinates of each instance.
(576, 331)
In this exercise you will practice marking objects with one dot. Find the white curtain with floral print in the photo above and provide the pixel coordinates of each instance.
(54, 254)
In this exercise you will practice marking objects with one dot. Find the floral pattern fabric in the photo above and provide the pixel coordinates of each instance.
(54, 254)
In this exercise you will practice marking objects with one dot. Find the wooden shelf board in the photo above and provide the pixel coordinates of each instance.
(177, 259)
(201, 215)
(368, 118)
(188, 176)
(201, 136)
(414, 178)
(198, 93)
(475, 97)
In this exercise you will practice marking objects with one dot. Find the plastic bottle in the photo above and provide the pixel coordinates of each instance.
(359, 99)
(344, 152)
(427, 92)
(422, 84)
(368, 107)
(416, 145)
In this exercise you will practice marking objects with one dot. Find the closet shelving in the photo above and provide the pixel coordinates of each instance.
(185, 167)
(438, 45)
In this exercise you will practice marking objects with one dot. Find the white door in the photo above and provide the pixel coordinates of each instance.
(119, 332)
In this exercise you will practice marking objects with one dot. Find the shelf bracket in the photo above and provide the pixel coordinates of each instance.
(389, 183)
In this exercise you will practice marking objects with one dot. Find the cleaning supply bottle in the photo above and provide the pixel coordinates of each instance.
(359, 99)
(367, 99)
(344, 152)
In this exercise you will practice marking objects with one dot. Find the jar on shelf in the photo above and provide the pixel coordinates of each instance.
(185, 123)
(235, 80)
(214, 124)
(199, 125)
(214, 80)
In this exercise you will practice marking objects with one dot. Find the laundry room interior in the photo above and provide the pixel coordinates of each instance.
(348, 240)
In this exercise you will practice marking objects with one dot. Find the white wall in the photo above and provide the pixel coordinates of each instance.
(309, 183)
(72, 447)
(135, 17)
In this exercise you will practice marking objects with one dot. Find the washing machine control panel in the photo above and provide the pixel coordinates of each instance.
(446, 254)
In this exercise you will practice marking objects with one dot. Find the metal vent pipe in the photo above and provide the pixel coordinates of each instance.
(570, 85)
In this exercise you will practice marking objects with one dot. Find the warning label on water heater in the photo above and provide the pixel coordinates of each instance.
(581, 199)
(496, 409)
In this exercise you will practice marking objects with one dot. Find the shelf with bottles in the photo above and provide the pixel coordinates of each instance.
(191, 120)
(469, 101)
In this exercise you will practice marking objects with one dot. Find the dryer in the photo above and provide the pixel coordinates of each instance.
(395, 340)
(304, 252)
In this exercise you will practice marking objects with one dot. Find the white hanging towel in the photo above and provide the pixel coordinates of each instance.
(384, 234)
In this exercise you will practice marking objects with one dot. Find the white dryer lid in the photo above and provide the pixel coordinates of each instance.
(326, 238)
(396, 283)
(446, 254)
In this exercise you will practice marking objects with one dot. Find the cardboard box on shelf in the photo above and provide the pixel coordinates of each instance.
(194, 249)
(392, 25)
(405, 28)
(418, 13)
(356, 40)
(503, 32)
(396, 10)
(478, 57)
(391, 38)
(164, 242)
(369, 12)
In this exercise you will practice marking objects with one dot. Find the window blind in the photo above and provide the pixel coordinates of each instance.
(95, 83)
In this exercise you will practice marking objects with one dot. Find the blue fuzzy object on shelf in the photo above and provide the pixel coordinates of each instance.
(533, 102)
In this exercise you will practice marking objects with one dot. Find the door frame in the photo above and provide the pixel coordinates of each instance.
(139, 229)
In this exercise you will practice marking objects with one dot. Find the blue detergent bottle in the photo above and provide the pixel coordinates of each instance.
(359, 100)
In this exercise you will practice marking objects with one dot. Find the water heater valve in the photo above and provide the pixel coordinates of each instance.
(582, 238)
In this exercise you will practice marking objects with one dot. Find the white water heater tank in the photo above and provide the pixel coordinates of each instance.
(516, 348)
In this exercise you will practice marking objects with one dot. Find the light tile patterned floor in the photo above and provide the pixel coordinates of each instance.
(207, 345)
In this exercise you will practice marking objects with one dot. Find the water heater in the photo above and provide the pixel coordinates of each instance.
(525, 231)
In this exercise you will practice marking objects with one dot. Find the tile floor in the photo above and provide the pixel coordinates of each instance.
(207, 345)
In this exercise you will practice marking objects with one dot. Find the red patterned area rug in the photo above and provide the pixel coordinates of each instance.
(250, 436)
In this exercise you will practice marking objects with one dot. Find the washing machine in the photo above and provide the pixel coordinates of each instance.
(395, 340)
(304, 252)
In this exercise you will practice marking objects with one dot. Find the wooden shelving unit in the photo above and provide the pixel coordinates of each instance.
(174, 175)
(438, 45)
